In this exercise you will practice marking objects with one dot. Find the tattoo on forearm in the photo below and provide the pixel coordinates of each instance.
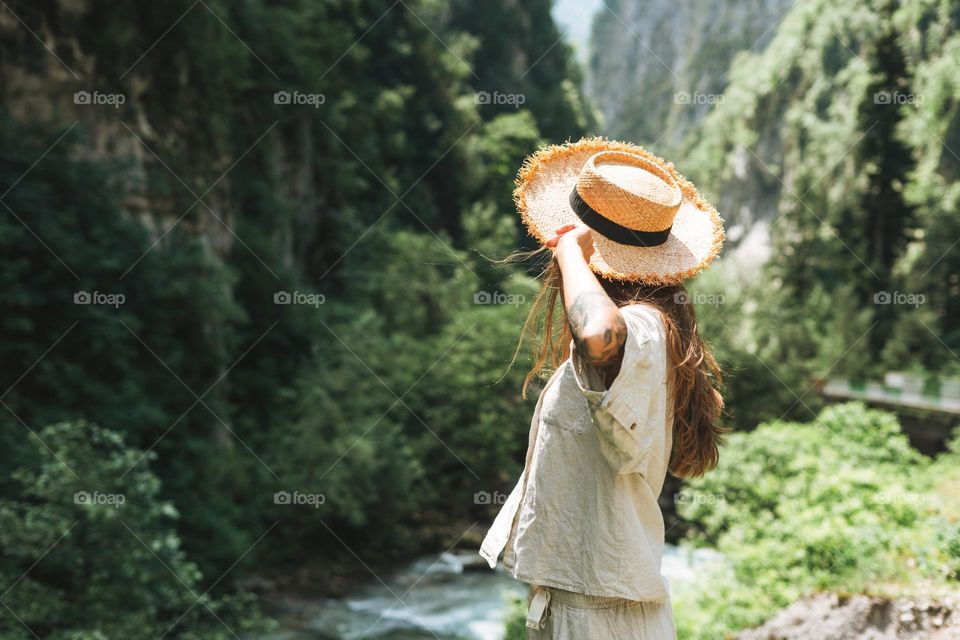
(590, 307)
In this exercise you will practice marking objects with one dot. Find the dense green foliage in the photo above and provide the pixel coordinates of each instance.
(201, 199)
(91, 552)
(513, 58)
(849, 118)
(840, 503)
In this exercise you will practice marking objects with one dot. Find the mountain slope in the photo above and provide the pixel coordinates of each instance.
(657, 67)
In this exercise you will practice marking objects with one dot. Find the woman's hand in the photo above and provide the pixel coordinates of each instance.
(598, 328)
(572, 239)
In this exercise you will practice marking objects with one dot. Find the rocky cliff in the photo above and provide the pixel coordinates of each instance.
(830, 616)
(657, 67)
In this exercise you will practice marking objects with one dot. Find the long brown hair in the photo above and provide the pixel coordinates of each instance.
(697, 380)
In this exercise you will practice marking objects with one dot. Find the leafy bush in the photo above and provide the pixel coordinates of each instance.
(950, 541)
(90, 550)
(416, 436)
(516, 620)
(840, 503)
(370, 201)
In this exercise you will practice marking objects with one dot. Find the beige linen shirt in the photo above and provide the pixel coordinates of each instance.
(584, 515)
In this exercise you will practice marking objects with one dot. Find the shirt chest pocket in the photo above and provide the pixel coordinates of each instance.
(564, 406)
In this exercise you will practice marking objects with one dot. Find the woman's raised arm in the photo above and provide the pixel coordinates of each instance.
(599, 330)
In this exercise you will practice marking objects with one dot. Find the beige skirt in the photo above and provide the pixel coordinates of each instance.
(555, 614)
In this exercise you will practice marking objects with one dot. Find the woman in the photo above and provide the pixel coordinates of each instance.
(634, 393)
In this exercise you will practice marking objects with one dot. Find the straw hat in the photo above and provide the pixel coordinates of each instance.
(650, 224)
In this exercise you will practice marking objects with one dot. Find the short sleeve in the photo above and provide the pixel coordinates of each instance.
(623, 423)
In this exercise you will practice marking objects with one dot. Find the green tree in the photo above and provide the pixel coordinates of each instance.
(91, 551)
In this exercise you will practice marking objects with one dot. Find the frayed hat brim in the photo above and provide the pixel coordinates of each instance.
(542, 194)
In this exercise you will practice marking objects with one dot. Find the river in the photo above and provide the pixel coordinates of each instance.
(435, 598)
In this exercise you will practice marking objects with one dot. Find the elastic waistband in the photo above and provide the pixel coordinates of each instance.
(584, 601)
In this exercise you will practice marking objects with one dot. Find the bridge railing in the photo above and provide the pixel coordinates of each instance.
(900, 390)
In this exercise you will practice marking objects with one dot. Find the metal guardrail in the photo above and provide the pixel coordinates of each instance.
(900, 390)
